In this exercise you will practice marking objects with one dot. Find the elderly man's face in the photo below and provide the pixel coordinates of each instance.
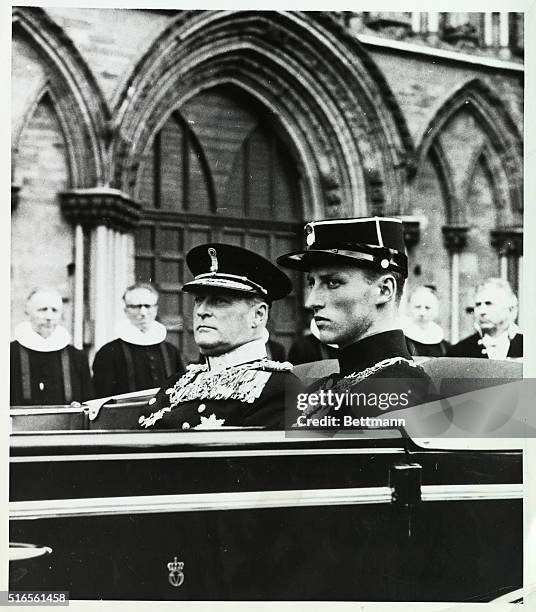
(141, 308)
(44, 309)
(343, 302)
(224, 321)
(493, 311)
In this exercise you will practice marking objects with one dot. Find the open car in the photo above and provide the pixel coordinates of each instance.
(105, 511)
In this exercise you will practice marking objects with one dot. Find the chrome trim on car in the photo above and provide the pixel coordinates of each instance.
(471, 492)
(222, 437)
(156, 504)
(283, 452)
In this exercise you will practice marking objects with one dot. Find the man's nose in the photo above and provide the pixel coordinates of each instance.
(314, 299)
(201, 308)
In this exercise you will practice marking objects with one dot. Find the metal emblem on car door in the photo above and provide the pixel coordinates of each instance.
(176, 577)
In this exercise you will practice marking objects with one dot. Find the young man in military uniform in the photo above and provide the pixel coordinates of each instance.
(237, 385)
(356, 269)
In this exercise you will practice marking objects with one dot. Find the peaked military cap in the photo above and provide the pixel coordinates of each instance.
(229, 267)
(372, 241)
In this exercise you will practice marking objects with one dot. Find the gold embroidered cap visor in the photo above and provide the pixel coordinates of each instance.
(231, 268)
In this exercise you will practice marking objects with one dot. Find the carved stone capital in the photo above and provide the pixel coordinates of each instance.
(507, 241)
(100, 206)
(455, 237)
(396, 25)
(464, 35)
(15, 190)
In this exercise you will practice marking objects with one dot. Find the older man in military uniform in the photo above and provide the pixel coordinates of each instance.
(356, 269)
(237, 385)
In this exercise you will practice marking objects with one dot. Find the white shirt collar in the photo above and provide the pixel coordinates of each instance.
(495, 347)
(129, 333)
(25, 335)
(256, 349)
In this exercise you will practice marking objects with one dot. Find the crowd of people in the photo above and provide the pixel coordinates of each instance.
(356, 270)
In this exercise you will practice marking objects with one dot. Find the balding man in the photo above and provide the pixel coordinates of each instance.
(45, 368)
(497, 336)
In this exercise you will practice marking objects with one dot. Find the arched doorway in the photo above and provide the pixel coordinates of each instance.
(217, 170)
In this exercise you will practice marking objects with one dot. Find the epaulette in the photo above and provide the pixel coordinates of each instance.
(269, 365)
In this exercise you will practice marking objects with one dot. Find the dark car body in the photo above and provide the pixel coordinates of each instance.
(258, 515)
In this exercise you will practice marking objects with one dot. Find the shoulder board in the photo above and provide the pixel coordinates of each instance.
(268, 365)
(196, 367)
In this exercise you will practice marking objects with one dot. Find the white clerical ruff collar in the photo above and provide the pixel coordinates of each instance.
(129, 333)
(433, 334)
(25, 335)
(256, 349)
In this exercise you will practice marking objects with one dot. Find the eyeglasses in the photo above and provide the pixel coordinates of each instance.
(140, 306)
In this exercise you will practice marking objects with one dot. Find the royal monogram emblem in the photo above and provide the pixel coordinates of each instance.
(176, 576)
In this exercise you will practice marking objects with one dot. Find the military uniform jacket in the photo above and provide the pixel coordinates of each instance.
(122, 367)
(380, 369)
(225, 392)
(48, 378)
(472, 347)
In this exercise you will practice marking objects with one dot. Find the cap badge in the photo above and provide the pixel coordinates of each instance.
(310, 234)
(384, 263)
(213, 259)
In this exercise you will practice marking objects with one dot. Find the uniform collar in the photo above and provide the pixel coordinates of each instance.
(129, 333)
(372, 349)
(251, 351)
(25, 335)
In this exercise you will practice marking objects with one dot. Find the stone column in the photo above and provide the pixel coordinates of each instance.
(455, 240)
(488, 29)
(108, 216)
(504, 35)
(433, 28)
(416, 22)
(509, 245)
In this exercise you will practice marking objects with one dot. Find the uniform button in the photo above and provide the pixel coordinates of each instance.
(186, 425)
(152, 401)
(201, 408)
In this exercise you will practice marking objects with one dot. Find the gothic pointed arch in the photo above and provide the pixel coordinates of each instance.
(327, 96)
(505, 143)
(77, 98)
(486, 161)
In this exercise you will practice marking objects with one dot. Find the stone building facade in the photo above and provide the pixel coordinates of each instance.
(137, 134)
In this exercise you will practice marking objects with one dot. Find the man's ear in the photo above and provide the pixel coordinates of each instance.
(261, 313)
(386, 284)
